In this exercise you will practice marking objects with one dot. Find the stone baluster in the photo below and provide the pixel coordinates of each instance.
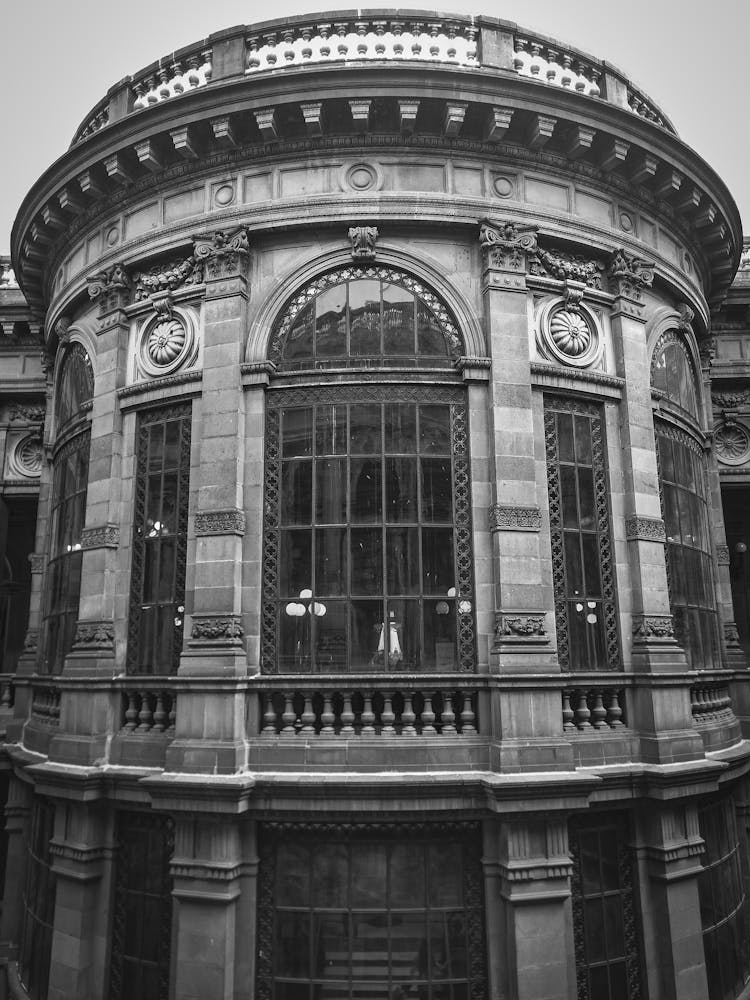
(145, 716)
(567, 712)
(131, 712)
(408, 717)
(428, 716)
(160, 716)
(387, 716)
(582, 711)
(269, 715)
(614, 711)
(172, 714)
(289, 716)
(347, 715)
(327, 716)
(599, 712)
(447, 716)
(468, 717)
(308, 715)
(368, 716)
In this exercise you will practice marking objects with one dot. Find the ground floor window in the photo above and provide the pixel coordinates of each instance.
(142, 926)
(604, 921)
(722, 899)
(38, 903)
(365, 912)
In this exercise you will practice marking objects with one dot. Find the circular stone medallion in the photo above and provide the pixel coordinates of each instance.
(26, 459)
(503, 187)
(361, 177)
(732, 443)
(224, 194)
(569, 334)
(165, 344)
(113, 236)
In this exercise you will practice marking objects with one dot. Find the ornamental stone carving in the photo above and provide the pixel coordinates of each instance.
(630, 274)
(732, 443)
(167, 277)
(25, 460)
(687, 315)
(37, 561)
(566, 267)
(31, 642)
(653, 627)
(220, 522)
(109, 287)
(645, 529)
(731, 634)
(363, 239)
(100, 536)
(507, 244)
(707, 351)
(30, 414)
(509, 517)
(62, 329)
(94, 635)
(227, 628)
(520, 627)
(224, 254)
(722, 555)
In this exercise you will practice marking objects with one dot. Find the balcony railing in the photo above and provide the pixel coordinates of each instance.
(591, 710)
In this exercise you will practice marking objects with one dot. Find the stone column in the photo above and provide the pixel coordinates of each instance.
(86, 716)
(535, 870)
(669, 852)
(17, 813)
(528, 720)
(82, 853)
(210, 724)
(661, 711)
(213, 870)
(500, 974)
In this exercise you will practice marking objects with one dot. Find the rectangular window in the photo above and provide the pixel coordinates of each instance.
(68, 514)
(38, 903)
(585, 609)
(157, 589)
(606, 944)
(142, 922)
(389, 915)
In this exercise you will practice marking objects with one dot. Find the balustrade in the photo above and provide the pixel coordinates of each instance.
(432, 41)
(148, 711)
(7, 693)
(368, 712)
(541, 61)
(710, 703)
(45, 705)
(595, 709)
(172, 78)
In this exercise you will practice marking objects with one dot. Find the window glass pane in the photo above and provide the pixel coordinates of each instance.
(568, 495)
(366, 561)
(398, 320)
(331, 646)
(330, 430)
(573, 567)
(295, 563)
(436, 489)
(429, 335)
(586, 504)
(434, 429)
(583, 440)
(330, 562)
(296, 432)
(366, 490)
(364, 423)
(437, 560)
(400, 428)
(565, 446)
(401, 490)
(330, 495)
(366, 632)
(296, 492)
(440, 635)
(369, 875)
(330, 322)
(402, 560)
(364, 317)
(299, 344)
(404, 635)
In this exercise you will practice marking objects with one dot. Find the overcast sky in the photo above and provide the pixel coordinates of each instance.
(61, 56)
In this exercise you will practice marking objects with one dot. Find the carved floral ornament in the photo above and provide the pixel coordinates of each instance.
(25, 460)
(568, 331)
(363, 239)
(732, 442)
(167, 340)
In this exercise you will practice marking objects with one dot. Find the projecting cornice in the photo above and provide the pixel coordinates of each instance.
(252, 94)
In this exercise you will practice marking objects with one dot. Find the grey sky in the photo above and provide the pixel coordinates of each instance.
(59, 59)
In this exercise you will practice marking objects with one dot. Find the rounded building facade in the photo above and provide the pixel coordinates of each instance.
(380, 635)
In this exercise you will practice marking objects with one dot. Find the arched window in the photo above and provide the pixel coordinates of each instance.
(672, 372)
(365, 317)
(368, 557)
(684, 491)
(68, 507)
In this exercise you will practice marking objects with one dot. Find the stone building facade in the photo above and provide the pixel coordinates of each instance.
(378, 635)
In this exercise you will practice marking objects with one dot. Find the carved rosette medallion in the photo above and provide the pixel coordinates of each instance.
(732, 443)
(220, 522)
(650, 628)
(568, 333)
(167, 342)
(222, 629)
(519, 627)
(25, 460)
(94, 636)
(509, 517)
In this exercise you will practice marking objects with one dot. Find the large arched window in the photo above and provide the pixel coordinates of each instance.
(68, 507)
(368, 559)
(684, 492)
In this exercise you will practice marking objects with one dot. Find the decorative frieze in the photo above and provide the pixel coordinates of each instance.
(511, 517)
(101, 536)
(29, 414)
(645, 529)
(647, 628)
(567, 267)
(222, 255)
(227, 628)
(167, 277)
(630, 274)
(507, 244)
(363, 239)
(94, 635)
(527, 628)
(220, 522)
(730, 399)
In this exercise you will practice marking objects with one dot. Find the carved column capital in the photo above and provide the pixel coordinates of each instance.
(645, 529)
(110, 288)
(223, 254)
(101, 536)
(220, 522)
(628, 276)
(506, 245)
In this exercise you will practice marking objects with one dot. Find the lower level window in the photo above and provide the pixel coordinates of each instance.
(139, 965)
(607, 966)
(365, 915)
(38, 903)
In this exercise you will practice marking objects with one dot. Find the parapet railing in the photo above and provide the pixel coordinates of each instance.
(350, 37)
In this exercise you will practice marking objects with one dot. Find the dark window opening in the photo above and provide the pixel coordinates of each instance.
(38, 903)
